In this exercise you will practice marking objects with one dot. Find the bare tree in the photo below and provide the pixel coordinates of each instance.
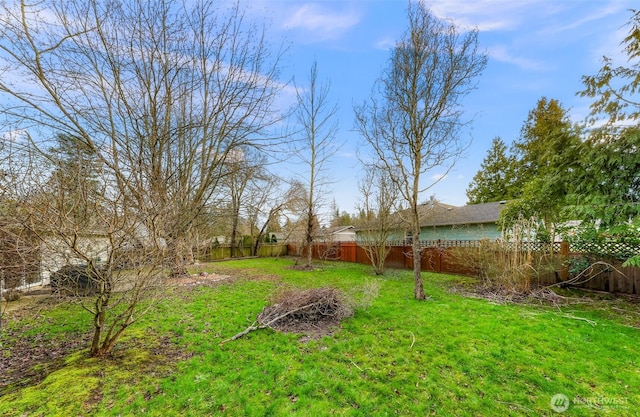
(316, 116)
(242, 170)
(412, 121)
(89, 246)
(269, 201)
(160, 92)
(379, 221)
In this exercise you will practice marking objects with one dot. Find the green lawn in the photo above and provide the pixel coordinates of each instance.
(448, 356)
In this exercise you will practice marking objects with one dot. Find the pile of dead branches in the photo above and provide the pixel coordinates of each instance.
(299, 310)
(501, 295)
(294, 306)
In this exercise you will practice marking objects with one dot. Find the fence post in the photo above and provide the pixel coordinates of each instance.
(564, 255)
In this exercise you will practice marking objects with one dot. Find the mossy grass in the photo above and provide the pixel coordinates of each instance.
(449, 355)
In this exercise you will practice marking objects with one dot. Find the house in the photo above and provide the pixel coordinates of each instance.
(439, 221)
(471, 222)
(323, 234)
(27, 261)
(56, 252)
(338, 234)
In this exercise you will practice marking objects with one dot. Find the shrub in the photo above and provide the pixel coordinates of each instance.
(12, 295)
(508, 266)
(79, 279)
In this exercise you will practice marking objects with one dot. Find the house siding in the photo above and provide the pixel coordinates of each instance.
(461, 232)
(56, 253)
(456, 232)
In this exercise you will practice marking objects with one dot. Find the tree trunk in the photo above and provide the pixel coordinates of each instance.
(99, 319)
(232, 248)
(309, 237)
(256, 244)
(418, 291)
(178, 256)
(98, 322)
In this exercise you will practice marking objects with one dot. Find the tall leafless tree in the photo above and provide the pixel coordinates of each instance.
(161, 92)
(316, 116)
(242, 170)
(378, 219)
(269, 199)
(412, 122)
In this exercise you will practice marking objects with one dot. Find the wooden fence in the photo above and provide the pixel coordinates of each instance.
(220, 252)
(437, 256)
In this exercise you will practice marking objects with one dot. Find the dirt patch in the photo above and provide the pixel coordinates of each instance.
(310, 331)
(25, 358)
(26, 298)
(195, 280)
(302, 267)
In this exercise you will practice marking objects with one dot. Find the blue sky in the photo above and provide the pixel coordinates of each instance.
(535, 48)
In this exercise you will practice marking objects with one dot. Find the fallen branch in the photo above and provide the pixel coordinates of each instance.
(253, 327)
(354, 364)
(569, 316)
(589, 270)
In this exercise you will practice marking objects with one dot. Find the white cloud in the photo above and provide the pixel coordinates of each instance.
(611, 8)
(507, 15)
(438, 177)
(502, 54)
(486, 15)
(322, 22)
(17, 135)
(385, 44)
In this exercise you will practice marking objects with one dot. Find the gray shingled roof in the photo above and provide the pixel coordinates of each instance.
(445, 215)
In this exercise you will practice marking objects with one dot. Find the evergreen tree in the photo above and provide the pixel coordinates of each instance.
(74, 185)
(608, 185)
(546, 145)
(615, 89)
(493, 182)
(547, 161)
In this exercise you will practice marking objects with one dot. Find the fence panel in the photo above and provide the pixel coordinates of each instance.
(623, 281)
(431, 259)
(398, 257)
(220, 252)
(348, 251)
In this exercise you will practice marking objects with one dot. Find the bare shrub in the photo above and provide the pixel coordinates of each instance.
(361, 297)
(506, 266)
(12, 295)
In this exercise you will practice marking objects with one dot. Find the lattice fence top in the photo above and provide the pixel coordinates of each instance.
(619, 250)
(523, 246)
(606, 249)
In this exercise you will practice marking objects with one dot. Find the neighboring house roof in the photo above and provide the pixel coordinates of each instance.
(338, 233)
(339, 229)
(439, 214)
